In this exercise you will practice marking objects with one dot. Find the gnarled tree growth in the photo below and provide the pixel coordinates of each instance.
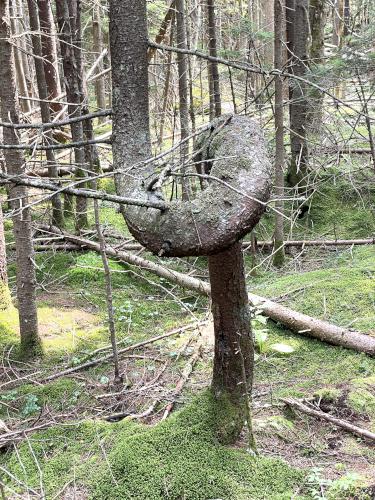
(237, 177)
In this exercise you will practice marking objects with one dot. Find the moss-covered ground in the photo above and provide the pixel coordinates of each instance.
(81, 454)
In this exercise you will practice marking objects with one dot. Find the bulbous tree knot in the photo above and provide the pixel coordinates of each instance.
(237, 177)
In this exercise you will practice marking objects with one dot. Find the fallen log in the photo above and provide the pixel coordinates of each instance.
(297, 322)
(354, 429)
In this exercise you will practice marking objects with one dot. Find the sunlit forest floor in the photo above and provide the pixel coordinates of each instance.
(78, 453)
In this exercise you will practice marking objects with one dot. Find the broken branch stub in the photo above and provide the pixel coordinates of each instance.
(228, 208)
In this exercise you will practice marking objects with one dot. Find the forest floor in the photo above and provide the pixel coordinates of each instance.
(82, 450)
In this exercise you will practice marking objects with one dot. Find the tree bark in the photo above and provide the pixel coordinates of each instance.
(26, 279)
(182, 64)
(298, 168)
(234, 351)
(97, 38)
(67, 35)
(213, 69)
(279, 17)
(318, 17)
(49, 52)
(57, 210)
(5, 300)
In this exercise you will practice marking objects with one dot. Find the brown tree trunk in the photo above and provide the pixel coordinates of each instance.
(66, 20)
(5, 300)
(298, 167)
(57, 211)
(182, 65)
(279, 16)
(213, 70)
(318, 17)
(26, 279)
(18, 61)
(234, 351)
(97, 38)
(49, 52)
(338, 22)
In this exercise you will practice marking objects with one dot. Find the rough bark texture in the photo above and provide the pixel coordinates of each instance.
(57, 211)
(5, 300)
(49, 52)
(131, 136)
(221, 214)
(182, 64)
(234, 351)
(213, 70)
(26, 280)
(97, 38)
(318, 17)
(279, 16)
(66, 19)
(299, 103)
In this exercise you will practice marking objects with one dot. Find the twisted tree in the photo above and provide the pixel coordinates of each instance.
(237, 177)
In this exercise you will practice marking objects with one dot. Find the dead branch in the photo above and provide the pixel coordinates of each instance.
(343, 424)
(189, 367)
(297, 322)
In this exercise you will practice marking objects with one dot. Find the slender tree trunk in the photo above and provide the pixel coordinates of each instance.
(318, 17)
(67, 26)
(26, 279)
(338, 22)
(182, 65)
(279, 17)
(213, 70)
(18, 61)
(5, 300)
(234, 351)
(298, 108)
(98, 49)
(49, 52)
(57, 211)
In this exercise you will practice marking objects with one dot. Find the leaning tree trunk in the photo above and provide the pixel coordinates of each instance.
(57, 210)
(26, 279)
(49, 51)
(298, 168)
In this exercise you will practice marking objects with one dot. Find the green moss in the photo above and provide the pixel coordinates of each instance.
(329, 394)
(178, 458)
(362, 401)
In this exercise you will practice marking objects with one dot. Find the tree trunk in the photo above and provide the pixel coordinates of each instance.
(18, 61)
(234, 351)
(213, 70)
(26, 279)
(67, 27)
(298, 168)
(57, 211)
(49, 52)
(318, 17)
(5, 300)
(279, 16)
(182, 65)
(338, 22)
(97, 38)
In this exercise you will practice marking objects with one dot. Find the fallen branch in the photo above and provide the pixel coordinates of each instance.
(188, 369)
(358, 431)
(108, 357)
(293, 320)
